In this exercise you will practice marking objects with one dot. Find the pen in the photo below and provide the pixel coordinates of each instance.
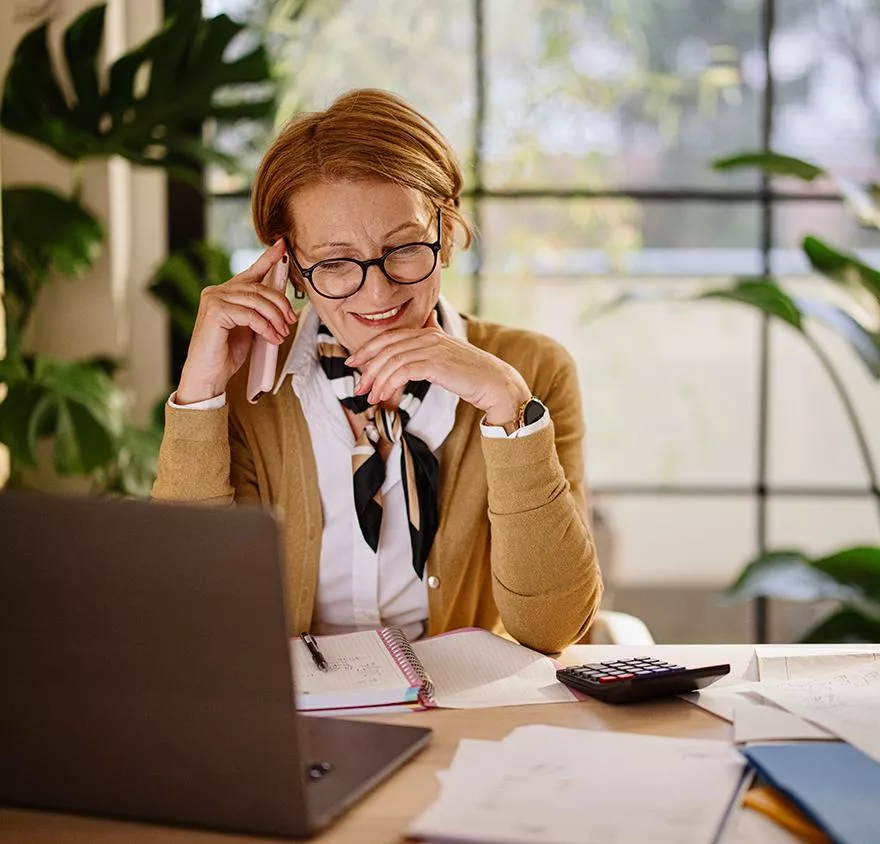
(315, 651)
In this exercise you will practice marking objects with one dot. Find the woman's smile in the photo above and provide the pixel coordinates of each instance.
(382, 319)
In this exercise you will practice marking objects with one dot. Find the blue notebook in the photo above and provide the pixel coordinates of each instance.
(835, 785)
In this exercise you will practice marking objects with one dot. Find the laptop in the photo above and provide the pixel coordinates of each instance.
(146, 673)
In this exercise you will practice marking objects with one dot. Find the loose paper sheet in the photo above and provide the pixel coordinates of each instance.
(808, 662)
(763, 722)
(562, 786)
(847, 705)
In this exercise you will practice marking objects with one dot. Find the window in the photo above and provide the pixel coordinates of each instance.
(587, 130)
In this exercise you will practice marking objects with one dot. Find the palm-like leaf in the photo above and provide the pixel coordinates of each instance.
(789, 575)
(74, 403)
(769, 298)
(763, 294)
(842, 267)
(190, 80)
(771, 163)
(179, 281)
(31, 256)
(851, 577)
(847, 625)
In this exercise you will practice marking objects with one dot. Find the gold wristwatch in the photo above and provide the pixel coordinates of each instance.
(531, 410)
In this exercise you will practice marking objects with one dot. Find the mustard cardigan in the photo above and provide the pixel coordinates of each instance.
(513, 550)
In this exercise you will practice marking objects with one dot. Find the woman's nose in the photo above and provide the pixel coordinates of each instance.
(377, 286)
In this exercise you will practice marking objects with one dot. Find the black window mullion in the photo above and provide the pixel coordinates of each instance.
(477, 169)
(762, 610)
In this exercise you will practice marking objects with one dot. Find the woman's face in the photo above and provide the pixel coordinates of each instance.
(363, 220)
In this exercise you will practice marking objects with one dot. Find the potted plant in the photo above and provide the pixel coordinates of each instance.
(48, 236)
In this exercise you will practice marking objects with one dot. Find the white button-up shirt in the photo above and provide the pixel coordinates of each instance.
(357, 587)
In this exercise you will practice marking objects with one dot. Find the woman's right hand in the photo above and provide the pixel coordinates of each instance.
(229, 316)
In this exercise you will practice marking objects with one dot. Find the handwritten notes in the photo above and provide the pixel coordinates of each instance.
(362, 672)
(847, 705)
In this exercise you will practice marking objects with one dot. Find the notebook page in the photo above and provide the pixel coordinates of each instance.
(361, 673)
(474, 669)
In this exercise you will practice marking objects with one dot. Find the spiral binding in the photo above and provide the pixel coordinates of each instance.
(408, 660)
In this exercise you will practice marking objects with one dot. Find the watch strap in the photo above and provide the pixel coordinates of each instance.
(520, 420)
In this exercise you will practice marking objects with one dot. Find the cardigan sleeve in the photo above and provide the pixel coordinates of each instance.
(546, 579)
(204, 459)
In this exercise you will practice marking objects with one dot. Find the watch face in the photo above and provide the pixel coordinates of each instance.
(533, 412)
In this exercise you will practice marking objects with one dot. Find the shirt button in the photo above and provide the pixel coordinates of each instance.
(433, 581)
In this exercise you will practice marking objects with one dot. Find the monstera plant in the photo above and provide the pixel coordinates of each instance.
(142, 108)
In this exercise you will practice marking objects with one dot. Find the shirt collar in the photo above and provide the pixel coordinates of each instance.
(303, 352)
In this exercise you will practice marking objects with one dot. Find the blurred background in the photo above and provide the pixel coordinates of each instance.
(725, 317)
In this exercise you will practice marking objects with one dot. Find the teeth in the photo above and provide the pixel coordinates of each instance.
(385, 315)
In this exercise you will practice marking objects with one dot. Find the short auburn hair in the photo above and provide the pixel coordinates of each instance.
(365, 134)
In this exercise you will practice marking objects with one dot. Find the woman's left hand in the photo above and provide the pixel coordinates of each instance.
(389, 361)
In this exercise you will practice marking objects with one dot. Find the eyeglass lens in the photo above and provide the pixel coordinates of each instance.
(406, 264)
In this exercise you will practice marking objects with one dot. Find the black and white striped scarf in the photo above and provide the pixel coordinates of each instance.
(419, 469)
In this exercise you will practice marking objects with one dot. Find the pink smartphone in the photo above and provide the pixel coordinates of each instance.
(264, 355)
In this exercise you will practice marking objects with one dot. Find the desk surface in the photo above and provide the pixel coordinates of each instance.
(384, 815)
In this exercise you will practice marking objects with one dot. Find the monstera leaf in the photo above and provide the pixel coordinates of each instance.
(72, 402)
(179, 281)
(188, 79)
(44, 235)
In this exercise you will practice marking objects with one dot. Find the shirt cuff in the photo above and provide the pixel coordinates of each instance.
(497, 432)
(208, 404)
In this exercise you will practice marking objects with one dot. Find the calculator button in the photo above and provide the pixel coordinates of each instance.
(608, 679)
(626, 676)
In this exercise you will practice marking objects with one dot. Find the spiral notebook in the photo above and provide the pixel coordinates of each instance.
(465, 669)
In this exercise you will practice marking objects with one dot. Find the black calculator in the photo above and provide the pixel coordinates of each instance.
(636, 679)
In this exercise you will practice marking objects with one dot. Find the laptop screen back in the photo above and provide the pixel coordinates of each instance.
(147, 639)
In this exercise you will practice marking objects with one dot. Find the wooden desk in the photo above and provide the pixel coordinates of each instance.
(383, 816)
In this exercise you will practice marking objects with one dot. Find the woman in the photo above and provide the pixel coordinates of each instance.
(427, 467)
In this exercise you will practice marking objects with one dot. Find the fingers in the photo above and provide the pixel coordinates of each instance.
(234, 315)
(392, 354)
(256, 271)
(374, 347)
(415, 366)
(245, 305)
(268, 306)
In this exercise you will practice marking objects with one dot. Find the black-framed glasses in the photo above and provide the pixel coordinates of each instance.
(339, 278)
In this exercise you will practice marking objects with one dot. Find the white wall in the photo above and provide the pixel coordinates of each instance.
(107, 311)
